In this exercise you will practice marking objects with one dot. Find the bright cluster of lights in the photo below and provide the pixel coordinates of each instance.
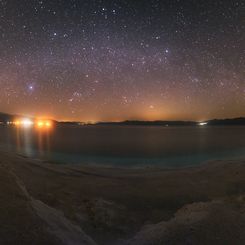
(27, 123)
(43, 124)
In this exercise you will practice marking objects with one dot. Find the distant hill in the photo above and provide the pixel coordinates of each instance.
(150, 123)
(234, 121)
(4, 118)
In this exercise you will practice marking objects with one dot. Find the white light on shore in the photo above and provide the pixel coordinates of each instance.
(202, 123)
(27, 122)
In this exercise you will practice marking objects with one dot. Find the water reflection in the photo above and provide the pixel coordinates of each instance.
(18, 139)
(126, 145)
(43, 142)
(29, 141)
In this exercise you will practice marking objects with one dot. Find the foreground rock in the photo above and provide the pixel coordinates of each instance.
(25, 220)
(213, 222)
(44, 203)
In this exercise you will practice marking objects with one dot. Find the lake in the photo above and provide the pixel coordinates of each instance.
(126, 146)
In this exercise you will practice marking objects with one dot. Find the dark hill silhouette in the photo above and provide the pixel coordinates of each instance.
(234, 121)
(5, 117)
(150, 123)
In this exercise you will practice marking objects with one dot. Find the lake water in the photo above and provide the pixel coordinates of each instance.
(127, 146)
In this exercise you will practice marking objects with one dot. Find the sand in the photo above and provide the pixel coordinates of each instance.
(45, 203)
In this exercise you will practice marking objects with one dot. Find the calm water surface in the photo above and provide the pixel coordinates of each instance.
(128, 146)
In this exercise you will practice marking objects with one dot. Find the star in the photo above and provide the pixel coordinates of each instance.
(30, 88)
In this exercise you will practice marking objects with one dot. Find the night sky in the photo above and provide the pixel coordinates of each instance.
(101, 60)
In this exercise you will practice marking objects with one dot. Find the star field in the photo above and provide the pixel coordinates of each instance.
(117, 60)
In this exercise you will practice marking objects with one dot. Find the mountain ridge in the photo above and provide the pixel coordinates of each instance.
(5, 117)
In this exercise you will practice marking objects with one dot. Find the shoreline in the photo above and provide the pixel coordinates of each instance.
(159, 166)
(123, 206)
(140, 168)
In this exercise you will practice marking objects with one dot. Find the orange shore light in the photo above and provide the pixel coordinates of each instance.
(28, 123)
(44, 124)
(17, 123)
(24, 122)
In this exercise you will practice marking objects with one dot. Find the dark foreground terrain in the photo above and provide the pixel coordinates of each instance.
(43, 203)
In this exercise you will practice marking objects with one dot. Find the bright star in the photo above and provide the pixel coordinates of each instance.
(30, 87)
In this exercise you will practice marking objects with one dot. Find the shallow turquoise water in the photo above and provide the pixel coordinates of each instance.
(128, 146)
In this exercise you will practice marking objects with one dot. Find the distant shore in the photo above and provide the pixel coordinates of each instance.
(6, 119)
(64, 204)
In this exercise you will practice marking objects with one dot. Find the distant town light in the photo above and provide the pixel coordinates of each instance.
(48, 124)
(17, 123)
(202, 123)
(44, 124)
(40, 124)
(26, 122)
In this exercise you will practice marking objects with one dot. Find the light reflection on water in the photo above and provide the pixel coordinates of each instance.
(127, 146)
(28, 142)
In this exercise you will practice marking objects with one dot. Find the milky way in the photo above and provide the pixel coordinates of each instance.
(116, 60)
